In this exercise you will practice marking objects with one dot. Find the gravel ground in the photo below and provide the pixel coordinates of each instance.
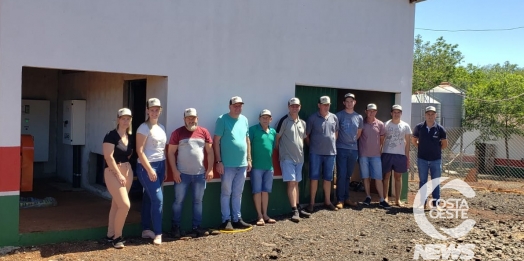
(368, 233)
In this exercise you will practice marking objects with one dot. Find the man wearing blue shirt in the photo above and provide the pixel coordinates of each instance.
(321, 134)
(350, 129)
(430, 138)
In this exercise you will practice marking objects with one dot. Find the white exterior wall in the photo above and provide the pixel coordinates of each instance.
(515, 145)
(211, 50)
(208, 51)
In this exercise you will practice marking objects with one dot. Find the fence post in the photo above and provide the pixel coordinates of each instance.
(405, 185)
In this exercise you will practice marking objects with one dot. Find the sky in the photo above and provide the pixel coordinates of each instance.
(478, 48)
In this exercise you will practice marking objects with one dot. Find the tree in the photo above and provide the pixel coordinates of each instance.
(433, 63)
(467, 76)
(495, 103)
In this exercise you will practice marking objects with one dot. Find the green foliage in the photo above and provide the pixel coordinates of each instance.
(467, 76)
(494, 104)
(433, 63)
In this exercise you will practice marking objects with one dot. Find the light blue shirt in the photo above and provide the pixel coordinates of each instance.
(233, 144)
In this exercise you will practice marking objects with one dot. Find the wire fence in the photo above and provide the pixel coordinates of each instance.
(495, 165)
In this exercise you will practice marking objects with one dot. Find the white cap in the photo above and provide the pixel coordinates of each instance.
(431, 108)
(153, 102)
(372, 106)
(293, 101)
(349, 95)
(324, 100)
(265, 112)
(190, 112)
(124, 112)
(396, 107)
(235, 100)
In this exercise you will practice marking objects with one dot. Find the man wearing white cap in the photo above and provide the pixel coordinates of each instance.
(369, 149)
(290, 143)
(232, 160)
(189, 171)
(395, 151)
(322, 131)
(262, 139)
(430, 138)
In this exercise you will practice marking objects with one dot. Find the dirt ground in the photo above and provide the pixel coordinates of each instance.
(364, 233)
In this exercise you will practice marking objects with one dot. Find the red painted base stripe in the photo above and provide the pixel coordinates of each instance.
(509, 162)
(498, 161)
(9, 169)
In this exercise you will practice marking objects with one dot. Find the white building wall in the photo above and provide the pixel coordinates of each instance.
(515, 145)
(206, 50)
(211, 50)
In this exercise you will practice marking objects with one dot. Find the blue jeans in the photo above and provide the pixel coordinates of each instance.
(435, 169)
(233, 181)
(198, 185)
(261, 180)
(153, 198)
(370, 167)
(324, 164)
(346, 161)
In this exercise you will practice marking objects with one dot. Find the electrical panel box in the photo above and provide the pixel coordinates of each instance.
(35, 122)
(74, 122)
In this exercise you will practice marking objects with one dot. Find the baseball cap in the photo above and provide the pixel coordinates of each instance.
(190, 112)
(293, 101)
(324, 100)
(431, 108)
(235, 100)
(124, 112)
(396, 107)
(349, 95)
(372, 106)
(153, 102)
(265, 112)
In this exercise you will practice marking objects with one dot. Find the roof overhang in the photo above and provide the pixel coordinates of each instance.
(415, 1)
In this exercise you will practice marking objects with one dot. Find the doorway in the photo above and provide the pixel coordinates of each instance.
(135, 97)
(309, 96)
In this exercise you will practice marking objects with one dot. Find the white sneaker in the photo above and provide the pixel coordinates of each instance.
(148, 234)
(157, 240)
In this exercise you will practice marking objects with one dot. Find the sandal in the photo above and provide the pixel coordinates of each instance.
(270, 221)
(260, 222)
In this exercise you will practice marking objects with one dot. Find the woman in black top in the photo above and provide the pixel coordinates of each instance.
(118, 175)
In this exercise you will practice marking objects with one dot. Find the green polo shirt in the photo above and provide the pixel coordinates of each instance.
(262, 144)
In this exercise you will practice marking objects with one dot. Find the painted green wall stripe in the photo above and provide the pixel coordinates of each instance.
(9, 216)
(278, 205)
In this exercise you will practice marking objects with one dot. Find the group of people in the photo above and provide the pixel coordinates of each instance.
(236, 148)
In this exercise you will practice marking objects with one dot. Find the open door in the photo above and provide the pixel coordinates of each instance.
(309, 100)
(136, 101)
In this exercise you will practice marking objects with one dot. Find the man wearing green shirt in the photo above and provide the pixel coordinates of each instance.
(262, 139)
